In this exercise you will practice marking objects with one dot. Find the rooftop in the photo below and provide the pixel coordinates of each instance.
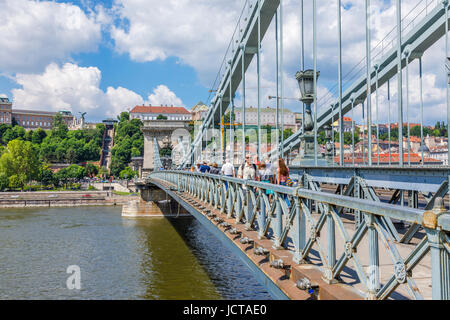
(159, 110)
(51, 113)
(384, 158)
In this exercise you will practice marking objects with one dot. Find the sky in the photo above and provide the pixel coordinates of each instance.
(105, 57)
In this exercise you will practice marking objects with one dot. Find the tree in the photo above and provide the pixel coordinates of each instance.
(228, 119)
(19, 132)
(128, 142)
(124, 116)
(46, 176)
(135, 152)
(38, 136)
(71, 173)
(59, 127)
(28, 135)
(8, 136)
(161, 117)
(20, 160)
(90, 170)
(287, 133)
(347, 137)
(17, 181)
(127, 173)
(3, 128)
(103, 172)
(4, 181)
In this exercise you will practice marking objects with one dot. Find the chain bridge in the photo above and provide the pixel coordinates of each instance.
(348, 229)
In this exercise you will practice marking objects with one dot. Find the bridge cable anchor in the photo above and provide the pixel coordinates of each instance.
(235, 231)
(246, 240)
(306, 285)
(279, 264)
(260, 251)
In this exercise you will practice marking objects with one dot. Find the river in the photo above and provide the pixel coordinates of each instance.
(119, 258)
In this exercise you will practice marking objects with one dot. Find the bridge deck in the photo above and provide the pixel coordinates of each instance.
(349, 287)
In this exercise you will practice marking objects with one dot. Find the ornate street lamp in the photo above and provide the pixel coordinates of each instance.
(305, 81)
(328, 136)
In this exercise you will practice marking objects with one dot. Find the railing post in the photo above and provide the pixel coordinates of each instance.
(261, 216)
(374, 259)
(300, 232)
(357, 194)
(223, 197)
(237, 201)
(238, 216)
(440, 258)
(331, 236)
(230, 202)
(278, 222)
(249, 208)
(211, 192)
(217, 186)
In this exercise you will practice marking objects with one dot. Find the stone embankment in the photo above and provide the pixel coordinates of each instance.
(62, 199)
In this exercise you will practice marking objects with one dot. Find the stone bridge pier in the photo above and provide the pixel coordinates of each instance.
(153, 202)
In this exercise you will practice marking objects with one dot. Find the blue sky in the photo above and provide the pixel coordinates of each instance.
(104, 57)
(118, 70)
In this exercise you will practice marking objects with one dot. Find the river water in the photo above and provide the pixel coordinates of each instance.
(119, 258)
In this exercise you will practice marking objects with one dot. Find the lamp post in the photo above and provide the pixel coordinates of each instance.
(328, 145)
(305, 81)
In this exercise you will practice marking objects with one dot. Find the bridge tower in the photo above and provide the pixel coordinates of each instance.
(161, 130)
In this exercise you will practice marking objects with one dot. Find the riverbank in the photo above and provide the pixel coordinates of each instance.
(63, 199)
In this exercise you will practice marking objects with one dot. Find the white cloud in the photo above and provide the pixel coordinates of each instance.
(36, 33)
(77, 89)
(195, 31)
(121, 99)
(163, 96)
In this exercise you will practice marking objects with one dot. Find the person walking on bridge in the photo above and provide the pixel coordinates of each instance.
(214, 169)
(228, 171)
(283, 177)
(266, 175)
(248, 170)
(204, 167)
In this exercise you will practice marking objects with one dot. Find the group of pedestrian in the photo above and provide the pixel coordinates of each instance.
(251, 169)
(212, 168)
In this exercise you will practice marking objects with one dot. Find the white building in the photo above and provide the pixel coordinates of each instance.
(438, 153)
(268, 116)
(199, 111)
(152, 113)
(5, 110)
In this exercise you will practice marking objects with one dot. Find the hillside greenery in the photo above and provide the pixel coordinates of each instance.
(25, 156)
(128, 143)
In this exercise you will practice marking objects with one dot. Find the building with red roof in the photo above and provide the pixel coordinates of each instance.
(152, 112)
(414, 158)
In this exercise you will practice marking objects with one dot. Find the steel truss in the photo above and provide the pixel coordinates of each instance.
(304, 220)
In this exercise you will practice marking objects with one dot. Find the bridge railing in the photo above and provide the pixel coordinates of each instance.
(315, 227)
